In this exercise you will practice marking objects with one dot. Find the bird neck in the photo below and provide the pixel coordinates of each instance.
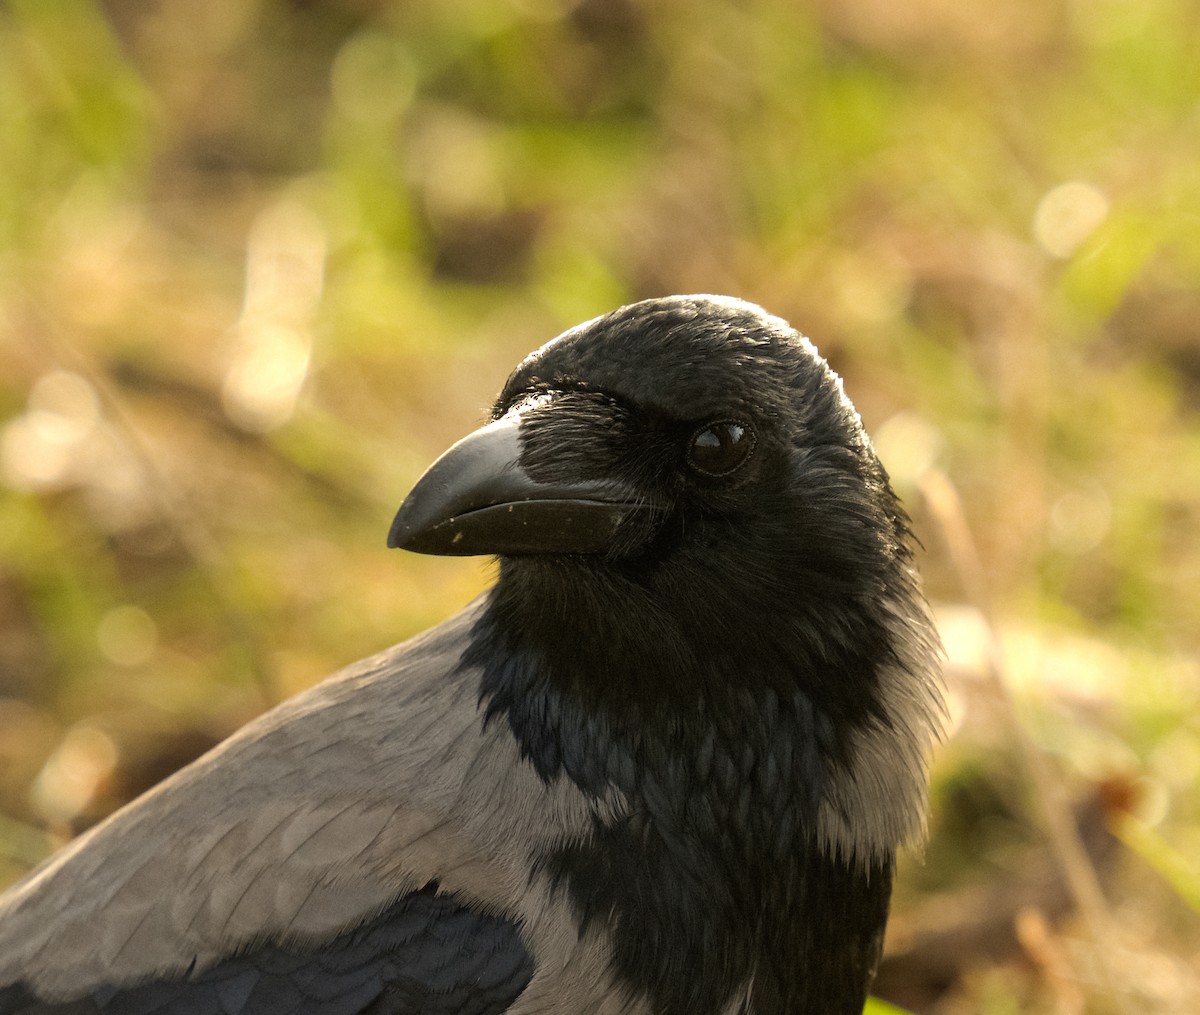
(711, 769)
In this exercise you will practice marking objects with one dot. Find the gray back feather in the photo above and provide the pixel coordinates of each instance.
(309, 821)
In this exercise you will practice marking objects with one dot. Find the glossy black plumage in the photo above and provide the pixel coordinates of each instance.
(663, 766)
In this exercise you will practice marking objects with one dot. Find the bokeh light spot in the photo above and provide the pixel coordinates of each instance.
(1067, 215)
(127, 635)
(75, 773)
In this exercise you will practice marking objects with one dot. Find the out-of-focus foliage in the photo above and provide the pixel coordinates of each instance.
(260, 260)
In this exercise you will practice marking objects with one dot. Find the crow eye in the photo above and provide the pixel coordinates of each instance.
(717, 449)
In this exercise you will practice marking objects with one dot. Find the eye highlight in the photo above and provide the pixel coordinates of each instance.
(718, 449)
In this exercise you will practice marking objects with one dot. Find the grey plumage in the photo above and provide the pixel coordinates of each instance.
(306, 822)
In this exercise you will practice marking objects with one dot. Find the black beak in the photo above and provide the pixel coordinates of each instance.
(477, 499)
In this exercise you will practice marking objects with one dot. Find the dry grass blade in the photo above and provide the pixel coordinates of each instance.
(946, 507)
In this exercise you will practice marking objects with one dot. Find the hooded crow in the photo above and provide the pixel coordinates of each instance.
(662, 766)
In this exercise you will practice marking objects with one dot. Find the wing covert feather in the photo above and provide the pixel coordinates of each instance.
(426, 954)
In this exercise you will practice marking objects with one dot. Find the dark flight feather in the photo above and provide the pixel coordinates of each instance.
(426, 954)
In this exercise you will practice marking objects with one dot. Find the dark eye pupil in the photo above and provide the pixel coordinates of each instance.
(720, 448)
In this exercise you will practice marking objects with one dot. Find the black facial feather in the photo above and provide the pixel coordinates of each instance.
(721, 674)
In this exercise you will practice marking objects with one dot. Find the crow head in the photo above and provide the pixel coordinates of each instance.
(690, 517)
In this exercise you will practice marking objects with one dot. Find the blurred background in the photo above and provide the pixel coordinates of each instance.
(262, 260)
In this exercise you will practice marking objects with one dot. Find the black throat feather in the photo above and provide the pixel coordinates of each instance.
(707, 867)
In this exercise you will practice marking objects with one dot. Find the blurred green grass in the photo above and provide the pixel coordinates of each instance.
(260, 261)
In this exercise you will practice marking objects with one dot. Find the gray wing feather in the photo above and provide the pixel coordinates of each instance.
(310, 821)
(427, 954)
